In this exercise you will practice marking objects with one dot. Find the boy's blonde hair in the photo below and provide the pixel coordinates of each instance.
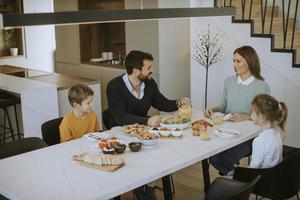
(78, 93)
(272, 110)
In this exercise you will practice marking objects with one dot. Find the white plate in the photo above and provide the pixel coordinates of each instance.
(92, 137)
(226, 117)
(174, 126)
(227, 133)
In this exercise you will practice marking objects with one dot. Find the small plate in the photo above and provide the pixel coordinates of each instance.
(227, 117)
(227, 133)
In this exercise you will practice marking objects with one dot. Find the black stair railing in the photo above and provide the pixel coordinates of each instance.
(289, 12)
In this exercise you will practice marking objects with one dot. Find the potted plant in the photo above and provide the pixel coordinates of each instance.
(9, 42)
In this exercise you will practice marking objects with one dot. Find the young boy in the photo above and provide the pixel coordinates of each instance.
(81, 119)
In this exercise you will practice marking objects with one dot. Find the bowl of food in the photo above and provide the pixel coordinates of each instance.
(103, 143)
(149, 139)
(135, 146)
(154, 131)
(176, 132)
(178, 121)
(120, 148)
(164, 131)
(113, 141)
(108, 150)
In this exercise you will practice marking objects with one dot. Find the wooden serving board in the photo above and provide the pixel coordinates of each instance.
(108, 168)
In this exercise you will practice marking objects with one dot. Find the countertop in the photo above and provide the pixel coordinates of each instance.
(101, 64)
(61, 81)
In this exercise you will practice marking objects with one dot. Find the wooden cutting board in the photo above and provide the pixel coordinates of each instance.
(108, 168)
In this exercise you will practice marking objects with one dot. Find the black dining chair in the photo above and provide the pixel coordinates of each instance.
(22, 145)
(50, 131)
(279, 182)
(228, 189)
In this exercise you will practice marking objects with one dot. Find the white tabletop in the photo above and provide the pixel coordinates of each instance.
(50, 173)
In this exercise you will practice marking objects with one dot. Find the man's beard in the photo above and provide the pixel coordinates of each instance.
(145, 78)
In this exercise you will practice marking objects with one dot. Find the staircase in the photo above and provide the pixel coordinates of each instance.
(268, 19)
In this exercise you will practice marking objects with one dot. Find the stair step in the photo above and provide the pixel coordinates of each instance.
(236, 2)
(256, 12)
(279, 40)
(277, 25)
(298, 56)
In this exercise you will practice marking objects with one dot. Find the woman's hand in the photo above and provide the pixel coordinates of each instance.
(208, 112)
(239, 117)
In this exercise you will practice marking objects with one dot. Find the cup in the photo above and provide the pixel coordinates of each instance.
(217, 119)
(205, 133)
(110, 55)
(105, 55)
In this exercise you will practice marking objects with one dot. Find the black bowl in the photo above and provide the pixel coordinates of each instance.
(109, 151)
(120, 148)
(135, 146)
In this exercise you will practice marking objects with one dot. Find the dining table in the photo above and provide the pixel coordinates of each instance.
(51, 173)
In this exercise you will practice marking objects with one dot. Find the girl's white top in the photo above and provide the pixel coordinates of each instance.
(266, 149)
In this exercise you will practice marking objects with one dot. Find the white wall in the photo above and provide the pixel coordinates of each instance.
(168, 41)
(276, 68)
(39, 41)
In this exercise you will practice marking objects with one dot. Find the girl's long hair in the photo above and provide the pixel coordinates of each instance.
(271, 110)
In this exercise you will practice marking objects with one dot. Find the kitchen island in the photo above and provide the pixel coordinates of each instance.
(44, 96)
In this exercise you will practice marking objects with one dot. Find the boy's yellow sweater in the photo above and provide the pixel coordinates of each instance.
(73, 127)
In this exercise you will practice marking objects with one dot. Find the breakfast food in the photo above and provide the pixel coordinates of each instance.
(200, 127)
(99, 159)
(135, 129)
(186, 111)
(135, 146)
(179, 119)
(148, 136)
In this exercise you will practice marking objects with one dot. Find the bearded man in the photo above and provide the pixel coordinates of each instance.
(132, 94)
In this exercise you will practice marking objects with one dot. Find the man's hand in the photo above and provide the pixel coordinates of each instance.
(208, 112)
(154, 121)
(185, 101)
(239, 117)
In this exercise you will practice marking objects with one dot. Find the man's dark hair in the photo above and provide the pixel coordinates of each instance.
(135, 60)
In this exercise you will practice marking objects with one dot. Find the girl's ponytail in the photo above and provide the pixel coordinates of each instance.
(282, 116)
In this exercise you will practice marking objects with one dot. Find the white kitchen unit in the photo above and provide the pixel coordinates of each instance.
(38, 102)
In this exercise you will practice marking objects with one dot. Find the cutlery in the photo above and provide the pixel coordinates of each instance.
(94, 137)
(227, 131)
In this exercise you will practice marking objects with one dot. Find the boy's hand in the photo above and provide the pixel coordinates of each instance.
(154, 121)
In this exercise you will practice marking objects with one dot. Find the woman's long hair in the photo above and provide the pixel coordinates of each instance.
(250, 55)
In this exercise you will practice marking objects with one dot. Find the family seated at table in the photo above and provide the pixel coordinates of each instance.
(131, 95)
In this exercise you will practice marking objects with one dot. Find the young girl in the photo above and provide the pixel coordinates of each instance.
(271, 116)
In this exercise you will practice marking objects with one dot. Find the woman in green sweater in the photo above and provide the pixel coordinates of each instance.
(239, 91)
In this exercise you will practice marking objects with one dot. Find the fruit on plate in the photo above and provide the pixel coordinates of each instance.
(103, 143)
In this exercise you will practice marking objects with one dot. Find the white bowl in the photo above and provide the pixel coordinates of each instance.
(156, 132)
(149, 142)
(174, 126)
(164, 133)
(176, 133)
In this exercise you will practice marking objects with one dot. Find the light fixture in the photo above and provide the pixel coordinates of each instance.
(105, 16)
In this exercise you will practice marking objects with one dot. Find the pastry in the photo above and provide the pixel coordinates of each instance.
(99, 159)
